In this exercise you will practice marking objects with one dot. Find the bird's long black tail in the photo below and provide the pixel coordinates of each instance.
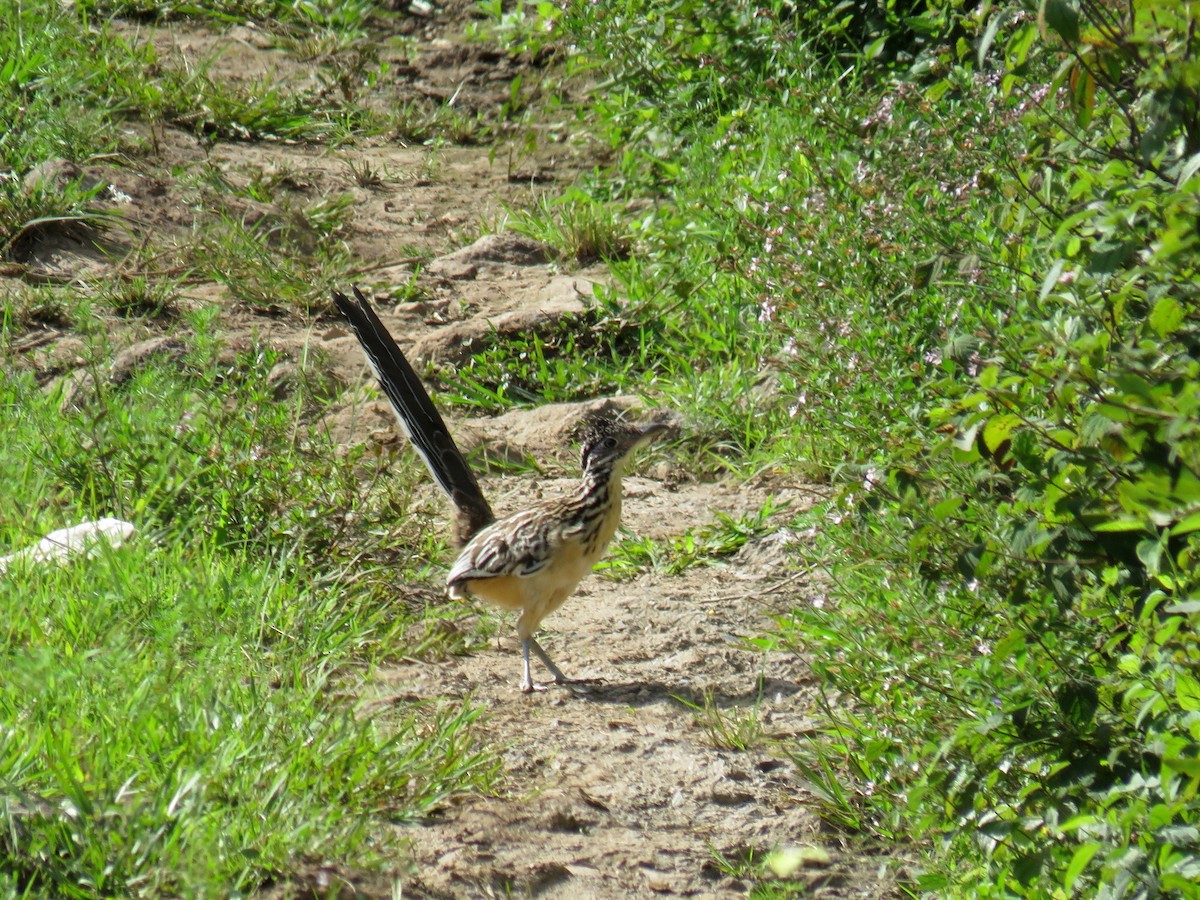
(418, 416)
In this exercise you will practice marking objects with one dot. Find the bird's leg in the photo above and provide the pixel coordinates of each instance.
(559, 677)
(527, 682)
(527, 685)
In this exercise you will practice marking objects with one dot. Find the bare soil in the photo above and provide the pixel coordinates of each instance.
(616, 787)
(621, 786)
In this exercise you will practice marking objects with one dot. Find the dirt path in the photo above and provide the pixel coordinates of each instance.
(616, 788)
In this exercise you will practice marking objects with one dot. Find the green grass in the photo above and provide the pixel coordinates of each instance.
(574, 357)
(176, 710)
(706, 545)
(770, 874)
(736, 728)
(577, 227)
(180, 732)
(183, 715)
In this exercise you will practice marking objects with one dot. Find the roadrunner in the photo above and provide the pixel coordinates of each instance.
(529, 562)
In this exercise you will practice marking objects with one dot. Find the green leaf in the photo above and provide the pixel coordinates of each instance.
(1085, 98)
(1187, 692)
(1027, 537)
(1188, 525)
(989, 37)
(1075, 823)
(1121, 525)
(1189, 766)
(1078, 863)
(935, 92)
(1150, 553)
(929, 24)
(1132, 383)
(946, 508)
(1189, 169)
(1061, 17)
(1051, 279)
(932, 881)
(1168, 314)
(875, 48)
(1018, 51)
(999, 429)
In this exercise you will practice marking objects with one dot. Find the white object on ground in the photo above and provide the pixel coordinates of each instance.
(74, 541)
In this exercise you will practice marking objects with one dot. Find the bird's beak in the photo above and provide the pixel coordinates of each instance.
(649, 433)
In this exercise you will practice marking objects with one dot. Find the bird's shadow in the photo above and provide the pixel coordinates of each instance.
(647, 693)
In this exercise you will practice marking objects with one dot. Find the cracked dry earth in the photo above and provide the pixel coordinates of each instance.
(612, 788)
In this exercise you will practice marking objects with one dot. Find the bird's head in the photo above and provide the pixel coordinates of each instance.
(608, 442)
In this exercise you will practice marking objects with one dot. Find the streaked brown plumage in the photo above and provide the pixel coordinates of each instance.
(529, 562)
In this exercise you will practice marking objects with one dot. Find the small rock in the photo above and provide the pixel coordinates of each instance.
(452, 269)
(129, 361)
(83, 539)
(565, 292)
(253, 37)
(544, 428)
(658, 882)
(283, 379)
(512, 249)
(731, 798)
(454, 343)
(786, 861)
(56, 174)
(662, 471)
(77, 388)
(68, 352)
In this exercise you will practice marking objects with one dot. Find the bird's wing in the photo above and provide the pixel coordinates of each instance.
(521, 544)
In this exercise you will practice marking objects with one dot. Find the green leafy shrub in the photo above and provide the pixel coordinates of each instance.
(1039, 563)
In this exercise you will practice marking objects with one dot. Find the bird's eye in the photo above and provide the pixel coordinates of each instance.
(610, 442)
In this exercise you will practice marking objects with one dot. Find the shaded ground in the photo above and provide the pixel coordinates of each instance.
(625, 786)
